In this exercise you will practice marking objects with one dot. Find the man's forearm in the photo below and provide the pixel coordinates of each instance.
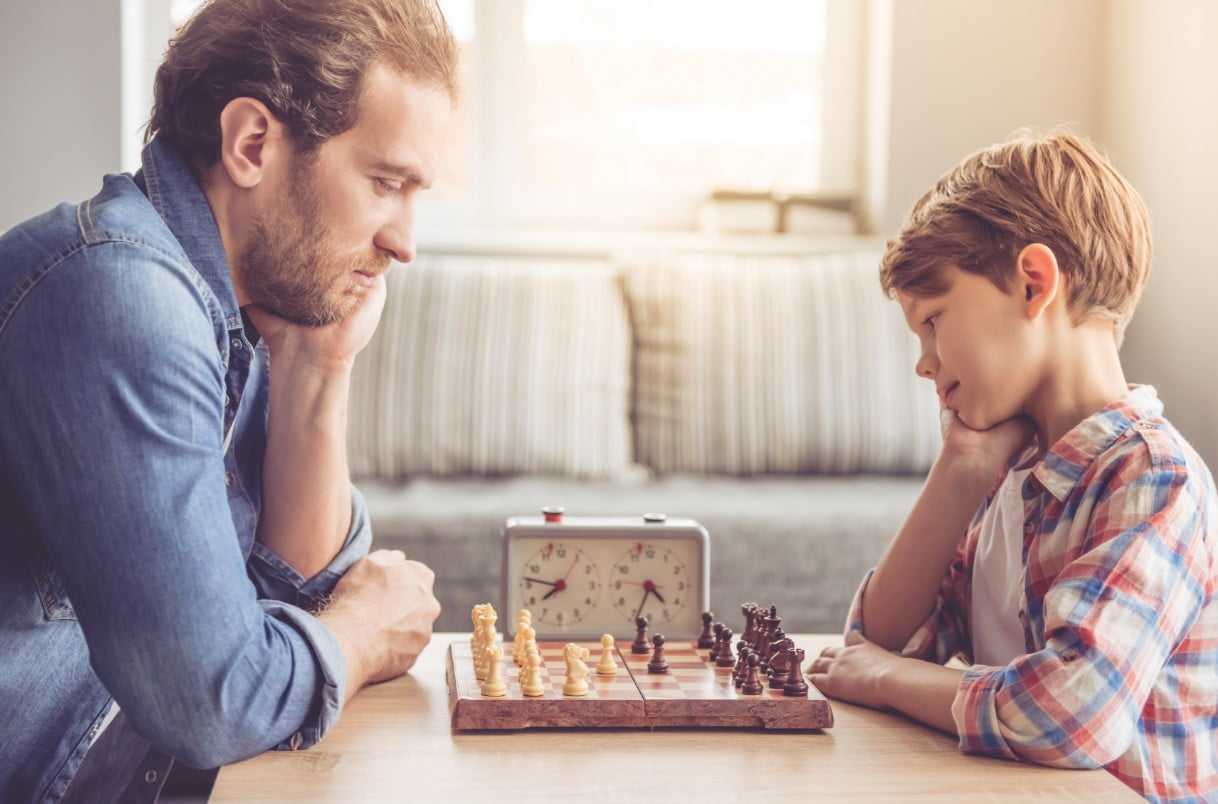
(903, 589)
(923, 691)
(306, 486)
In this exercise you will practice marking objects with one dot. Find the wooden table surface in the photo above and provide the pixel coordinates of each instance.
(394, 743)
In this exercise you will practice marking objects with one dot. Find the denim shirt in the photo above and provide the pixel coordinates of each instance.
(133, 424)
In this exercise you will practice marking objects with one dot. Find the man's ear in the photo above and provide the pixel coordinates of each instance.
(1038, 278)
(250, 140)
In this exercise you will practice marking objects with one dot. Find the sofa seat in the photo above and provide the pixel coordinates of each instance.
(799, 542)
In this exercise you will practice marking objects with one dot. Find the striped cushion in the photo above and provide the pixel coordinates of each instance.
(746, 365)
(494, 365)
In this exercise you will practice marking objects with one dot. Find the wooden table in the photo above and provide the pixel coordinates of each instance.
(394, 743)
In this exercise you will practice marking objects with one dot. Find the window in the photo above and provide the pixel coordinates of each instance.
(625, 114)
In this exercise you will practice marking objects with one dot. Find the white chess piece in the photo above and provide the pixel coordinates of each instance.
(577, 672)
(486, 637)
(494, 687)
(606, 666)
(531, 685)
(525, 635)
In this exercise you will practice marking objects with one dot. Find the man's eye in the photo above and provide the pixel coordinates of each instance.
(387, 186)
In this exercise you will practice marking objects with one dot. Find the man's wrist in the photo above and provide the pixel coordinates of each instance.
(352, 640)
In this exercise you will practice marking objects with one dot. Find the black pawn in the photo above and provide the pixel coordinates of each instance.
(705, 639)
(796, 687)
(640, 639)
(717, 643)
(658, 663)
(742, 663)
(725, 649)
(752, 684)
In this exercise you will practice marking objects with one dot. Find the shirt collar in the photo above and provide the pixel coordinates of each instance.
(176, 195)
(1065, 463)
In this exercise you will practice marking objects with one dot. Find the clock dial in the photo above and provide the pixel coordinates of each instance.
(560, 585)
(652, 580)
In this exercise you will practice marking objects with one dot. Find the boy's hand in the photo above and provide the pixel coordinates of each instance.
(854, 673)
(982, 454)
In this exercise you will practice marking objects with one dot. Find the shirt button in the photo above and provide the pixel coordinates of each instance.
(228, 478)
(296, 741)
(150, 776)
(237, 344)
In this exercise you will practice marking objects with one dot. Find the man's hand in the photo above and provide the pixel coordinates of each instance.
(382, 612)
(334, 345)
(854, 673)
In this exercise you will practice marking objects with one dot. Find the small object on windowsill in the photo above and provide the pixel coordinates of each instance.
(755, 212)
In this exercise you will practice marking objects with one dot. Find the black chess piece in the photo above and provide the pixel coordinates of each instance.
(749, 610)
(796, 687)
(717, 644)
(779, 659)
(742, 663)
(725, 658)
(772, 648)
(658, 663)
(640, 644)
(752, 684)
(705, 639)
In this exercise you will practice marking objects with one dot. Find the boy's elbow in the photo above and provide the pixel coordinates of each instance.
(1086, 750)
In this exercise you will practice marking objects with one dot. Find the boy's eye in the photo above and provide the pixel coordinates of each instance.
(930, 322)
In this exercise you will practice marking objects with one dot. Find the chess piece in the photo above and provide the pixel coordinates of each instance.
(725, 658)
(752, 684)
(524, 635)
(750, 623)
(640, 645)
(796, 687)
(658, 663)
(742, 663)
(524, 619)
(705, 640)
(718, 643)
(494, 687)
(486, 638)
(576, 684)
(531, 685)
(779, 657)
(606, 666)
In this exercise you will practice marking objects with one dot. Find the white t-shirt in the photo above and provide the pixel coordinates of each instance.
(998, 571)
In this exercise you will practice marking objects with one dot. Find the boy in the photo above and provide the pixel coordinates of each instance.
(1066, 541)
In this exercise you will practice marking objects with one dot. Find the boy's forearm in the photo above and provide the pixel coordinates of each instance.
(923, 691)
(903, 589)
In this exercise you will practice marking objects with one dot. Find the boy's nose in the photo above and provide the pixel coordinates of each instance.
(926, 367)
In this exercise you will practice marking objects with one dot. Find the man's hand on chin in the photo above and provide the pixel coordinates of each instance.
(329, 347)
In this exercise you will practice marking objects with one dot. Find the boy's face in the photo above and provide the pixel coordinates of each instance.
(979, 347)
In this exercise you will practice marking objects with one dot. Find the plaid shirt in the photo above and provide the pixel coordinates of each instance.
(1120, 612)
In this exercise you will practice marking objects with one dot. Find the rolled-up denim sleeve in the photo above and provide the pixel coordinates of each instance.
(276, 579)
(114, 398)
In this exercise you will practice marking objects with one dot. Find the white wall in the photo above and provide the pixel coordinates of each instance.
(1160, 124)
(59, 88)
(966, 74)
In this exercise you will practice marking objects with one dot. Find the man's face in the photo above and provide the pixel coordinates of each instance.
(977, 347)
(331, 221)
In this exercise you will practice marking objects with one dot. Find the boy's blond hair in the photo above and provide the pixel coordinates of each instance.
(1056, 190)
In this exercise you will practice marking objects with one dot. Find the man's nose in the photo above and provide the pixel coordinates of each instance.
(398, 241)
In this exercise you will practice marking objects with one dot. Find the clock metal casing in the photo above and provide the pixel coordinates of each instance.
(609, 560)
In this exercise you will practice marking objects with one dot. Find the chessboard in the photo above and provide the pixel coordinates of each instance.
(693, 693)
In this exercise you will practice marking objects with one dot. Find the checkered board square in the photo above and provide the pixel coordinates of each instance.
(694, 693)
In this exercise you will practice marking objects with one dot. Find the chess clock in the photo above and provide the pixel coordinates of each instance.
(582, 577)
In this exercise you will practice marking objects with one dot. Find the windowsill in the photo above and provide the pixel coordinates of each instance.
(602, 245)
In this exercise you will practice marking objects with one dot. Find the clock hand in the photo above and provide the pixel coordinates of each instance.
(641, 603)
(656, 592)
(550, 593)
(539, 580)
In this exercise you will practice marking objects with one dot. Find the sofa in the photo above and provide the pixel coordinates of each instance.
(770, 396)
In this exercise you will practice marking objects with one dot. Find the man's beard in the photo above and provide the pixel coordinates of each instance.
(289, 266)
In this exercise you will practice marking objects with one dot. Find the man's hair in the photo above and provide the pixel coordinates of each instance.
(1056, 190)
(304, 59)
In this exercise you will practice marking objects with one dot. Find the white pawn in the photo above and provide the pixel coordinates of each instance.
(606, 666)
(531, 685)
(577, 672)
(486, 637)
(494, 687)
(525, 636)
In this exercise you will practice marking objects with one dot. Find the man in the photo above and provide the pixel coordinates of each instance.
(182, 570)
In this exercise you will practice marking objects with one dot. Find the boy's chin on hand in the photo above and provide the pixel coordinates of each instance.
(983, 452)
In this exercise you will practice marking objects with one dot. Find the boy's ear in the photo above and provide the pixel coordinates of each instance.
(1038, 278)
